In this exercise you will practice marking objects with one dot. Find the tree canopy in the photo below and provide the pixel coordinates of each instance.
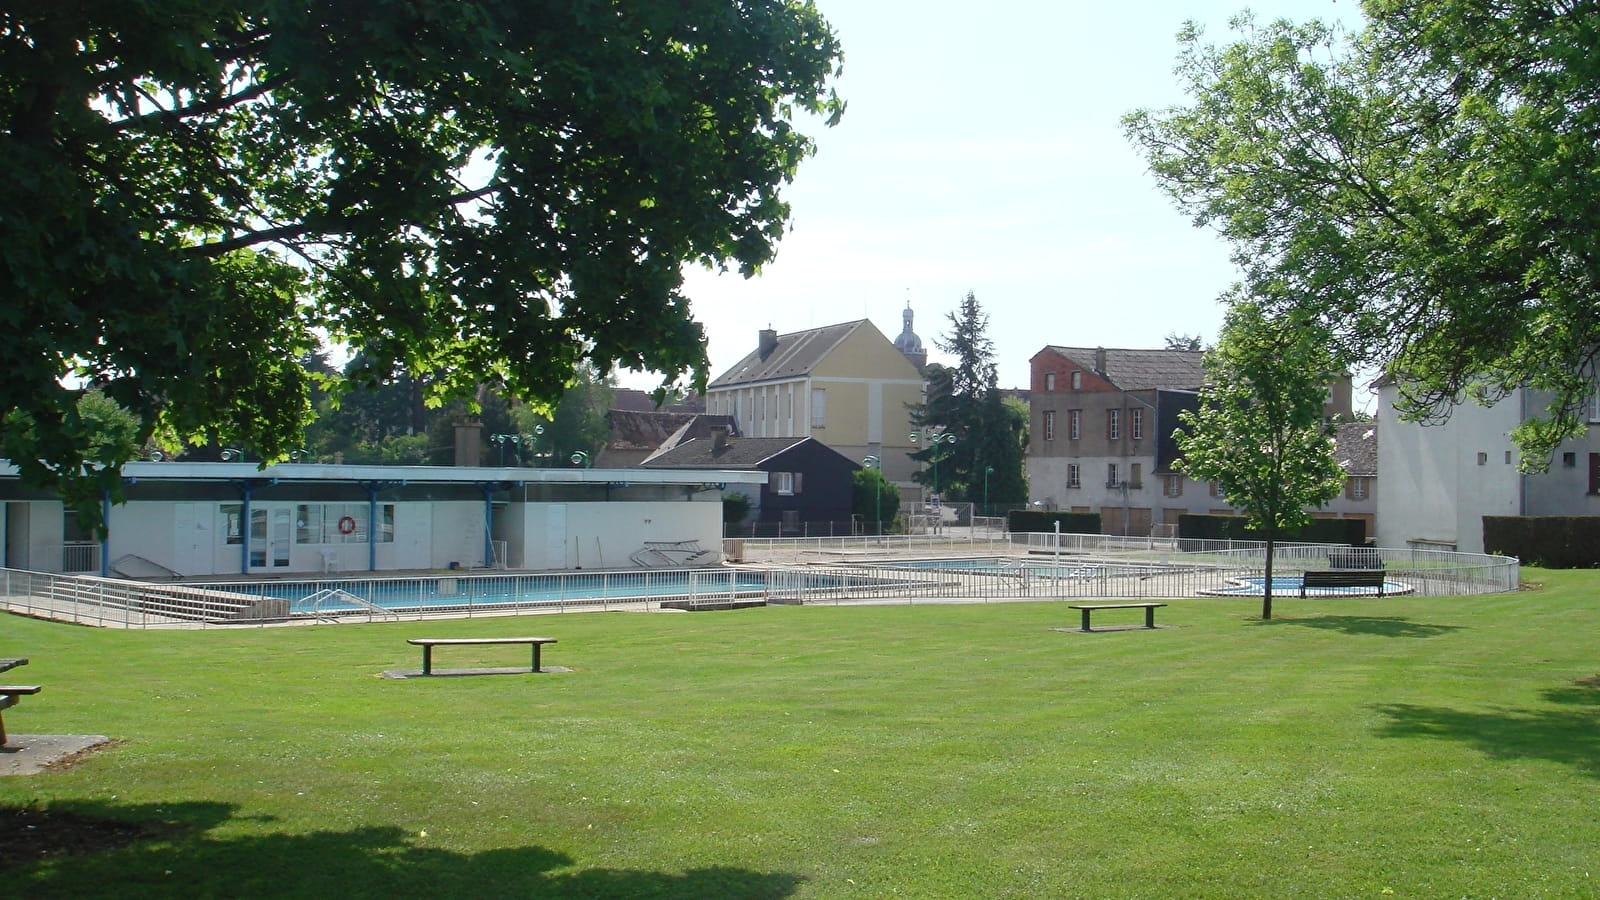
(1258, 433)
(1424, 190)
(965, 400)
(479, 191)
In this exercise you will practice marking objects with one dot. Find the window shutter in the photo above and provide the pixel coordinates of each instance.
(797, 482)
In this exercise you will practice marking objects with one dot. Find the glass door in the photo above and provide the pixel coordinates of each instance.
(271, 537)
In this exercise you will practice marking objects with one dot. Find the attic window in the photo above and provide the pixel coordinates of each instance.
(1077, 379)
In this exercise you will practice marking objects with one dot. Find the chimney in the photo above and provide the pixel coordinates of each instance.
(719, 438)
(1100, 360)
(768, 342)
(469, 443)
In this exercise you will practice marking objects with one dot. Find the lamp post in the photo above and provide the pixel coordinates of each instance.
(987, 471)
(503, 440)
(873, 462)
(518, 441)
(934, 439)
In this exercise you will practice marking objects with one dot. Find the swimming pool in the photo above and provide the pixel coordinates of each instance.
(446, 593)
(1011, 565)
(1290, 584)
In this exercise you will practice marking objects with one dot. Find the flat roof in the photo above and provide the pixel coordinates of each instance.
(282, 472)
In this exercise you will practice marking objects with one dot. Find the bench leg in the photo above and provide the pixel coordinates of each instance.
(427, 659)
(1149, 617)
(535, 657)
(1085, 620)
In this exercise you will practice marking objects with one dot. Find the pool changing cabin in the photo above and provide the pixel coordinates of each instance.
(224, 518)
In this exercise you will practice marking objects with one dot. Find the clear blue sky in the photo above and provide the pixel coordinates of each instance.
(982, 150)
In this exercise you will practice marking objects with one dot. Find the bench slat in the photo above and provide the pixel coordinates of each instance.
(20, 688)
(520, 640)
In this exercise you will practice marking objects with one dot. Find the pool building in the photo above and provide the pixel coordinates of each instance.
(199, 519)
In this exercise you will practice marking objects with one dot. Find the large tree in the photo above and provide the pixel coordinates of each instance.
(1258, 433)
(965, 400)
(1425, 189)
(479, 191)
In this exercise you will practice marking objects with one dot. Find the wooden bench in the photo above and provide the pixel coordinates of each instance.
(1087, 608)
(1342, 578)
(12, 694)
(427, 645)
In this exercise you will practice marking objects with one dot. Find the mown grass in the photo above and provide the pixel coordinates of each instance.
(1408, 747)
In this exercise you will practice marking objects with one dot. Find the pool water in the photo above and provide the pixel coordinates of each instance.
(1290, 584)
(403, 594)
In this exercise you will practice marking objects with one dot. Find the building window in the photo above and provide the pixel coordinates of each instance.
(1074, 424)
(1508, 457)
(1358, 488)
(819, 408)
(1569, 460)
(1049, 381)
(1136, 424)
(1113, 424)
(341, 523)
(1174, 486)
(1136, 475)
(1050, 425)
(784, 484)
(1074, 476)
(1483, 458)
(1111, 475)
(1077, 380)
(1594, 473)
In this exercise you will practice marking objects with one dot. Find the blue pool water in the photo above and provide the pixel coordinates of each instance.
(1290, 584)
(443, 592)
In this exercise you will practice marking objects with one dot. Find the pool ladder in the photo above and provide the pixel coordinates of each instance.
(315, 601)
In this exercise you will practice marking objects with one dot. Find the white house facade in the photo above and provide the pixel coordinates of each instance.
(1440, 480)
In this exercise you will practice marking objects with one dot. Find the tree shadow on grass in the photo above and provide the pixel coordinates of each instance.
(1567, 736)
(166, 852)
(1382, 626)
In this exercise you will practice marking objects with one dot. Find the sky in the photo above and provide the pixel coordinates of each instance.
(982, 150)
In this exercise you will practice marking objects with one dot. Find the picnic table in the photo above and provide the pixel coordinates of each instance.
(12, 694)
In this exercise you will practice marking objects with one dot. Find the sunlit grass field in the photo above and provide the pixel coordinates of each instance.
(1354, 747)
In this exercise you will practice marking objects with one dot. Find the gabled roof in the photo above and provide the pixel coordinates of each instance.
(632, 430)
(1355, 446)
(735, 453)
(794, 356)
(634, 400)
(1142, 370)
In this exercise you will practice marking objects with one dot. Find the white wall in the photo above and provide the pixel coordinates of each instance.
(1434, 487)
(604, 535)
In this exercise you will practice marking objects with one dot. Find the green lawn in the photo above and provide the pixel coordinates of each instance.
(1405, 747)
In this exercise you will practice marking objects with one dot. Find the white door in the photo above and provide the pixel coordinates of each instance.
(192, 550)
(555, 537)
(271, 537)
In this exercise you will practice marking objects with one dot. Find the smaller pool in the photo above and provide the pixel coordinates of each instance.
(1002, 565)
(1290, 584)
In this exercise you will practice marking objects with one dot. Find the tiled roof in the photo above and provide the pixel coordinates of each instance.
(635, 400)
(1143, 370)
(1355, 447)
(736, 453)
(795, 355)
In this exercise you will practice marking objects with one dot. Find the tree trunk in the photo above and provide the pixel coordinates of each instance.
(1266, 584)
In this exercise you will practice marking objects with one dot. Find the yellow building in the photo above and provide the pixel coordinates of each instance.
(845, 385)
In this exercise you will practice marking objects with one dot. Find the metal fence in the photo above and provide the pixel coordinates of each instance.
(973, 566)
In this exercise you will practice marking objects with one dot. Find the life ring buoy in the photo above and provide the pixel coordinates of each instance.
(347, 525)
